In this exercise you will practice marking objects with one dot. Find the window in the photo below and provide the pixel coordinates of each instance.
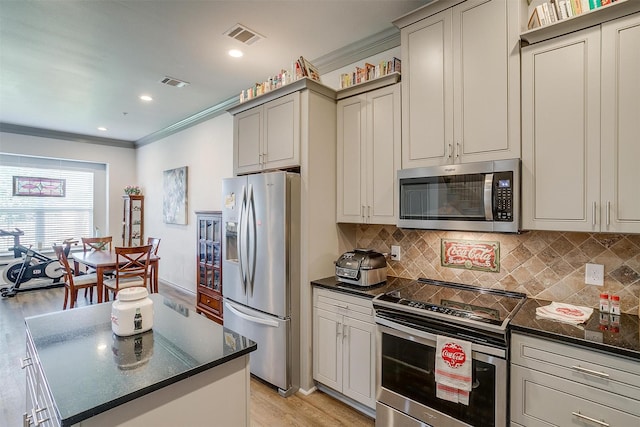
(47, 220)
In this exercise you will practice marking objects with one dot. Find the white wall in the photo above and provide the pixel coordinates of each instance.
(207, 150)
(121, 170)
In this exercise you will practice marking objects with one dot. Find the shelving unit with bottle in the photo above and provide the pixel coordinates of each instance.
(133, 220)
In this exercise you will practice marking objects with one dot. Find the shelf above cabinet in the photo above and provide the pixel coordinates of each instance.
(367, 86)
(298, 85)
(584, 20)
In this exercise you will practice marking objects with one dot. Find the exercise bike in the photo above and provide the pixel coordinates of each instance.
(32, 265)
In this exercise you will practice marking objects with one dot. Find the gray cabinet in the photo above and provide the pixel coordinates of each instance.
(268, 136)
(460, 83)
(368, 156)
(40, 409)
(558, 384)
(580, 109)
(344, 347)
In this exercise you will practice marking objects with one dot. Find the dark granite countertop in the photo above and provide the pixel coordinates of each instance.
(89, 370)
(622, 340)
(333, 284)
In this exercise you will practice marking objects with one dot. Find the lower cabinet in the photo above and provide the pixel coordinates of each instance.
(40, 409)
(344, 345)
(559, 384)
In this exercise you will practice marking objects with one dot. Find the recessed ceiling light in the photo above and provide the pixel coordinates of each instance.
(235, 53)
(146, 98)
(102, 128)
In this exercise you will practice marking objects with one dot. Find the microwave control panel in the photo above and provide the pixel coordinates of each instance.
(503, 196)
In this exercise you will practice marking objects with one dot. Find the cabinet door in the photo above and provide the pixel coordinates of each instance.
(486, 80)
(327, 348)
(427, 101)
(383, 154)
(282, 132)
(561, 133)
(539, 399)
(351, 189)
(247, 137)
(359, 376)
(621, 125)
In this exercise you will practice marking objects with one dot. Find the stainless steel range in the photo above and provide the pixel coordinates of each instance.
(409, 321)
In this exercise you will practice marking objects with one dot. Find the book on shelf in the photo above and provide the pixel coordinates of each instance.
(534, 20)
(308, 69)
(548, 12)
(369, 72)
(576, 7)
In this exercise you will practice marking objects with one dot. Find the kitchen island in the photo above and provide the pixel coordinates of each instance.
(187, 370)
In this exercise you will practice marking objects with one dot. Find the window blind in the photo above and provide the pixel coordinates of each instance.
(46, 220)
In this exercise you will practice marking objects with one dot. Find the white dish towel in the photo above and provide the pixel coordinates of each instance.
(453, 369)
(567, 313)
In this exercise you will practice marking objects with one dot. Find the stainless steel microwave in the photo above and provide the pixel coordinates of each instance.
(482, 196)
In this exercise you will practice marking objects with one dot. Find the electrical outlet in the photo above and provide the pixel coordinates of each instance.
(395, 253)
(594, 274)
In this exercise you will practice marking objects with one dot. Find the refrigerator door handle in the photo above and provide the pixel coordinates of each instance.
(252, 244)
(241, 232)
(250, 318)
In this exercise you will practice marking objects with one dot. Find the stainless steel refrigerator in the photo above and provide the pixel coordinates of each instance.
(261, 271)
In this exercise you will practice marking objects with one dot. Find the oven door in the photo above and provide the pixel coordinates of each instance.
(407, 388)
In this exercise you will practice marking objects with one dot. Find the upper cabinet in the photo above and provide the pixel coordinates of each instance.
(460, 83)
(268, 136)
(368, 156)
(580, 122)
(266, 129)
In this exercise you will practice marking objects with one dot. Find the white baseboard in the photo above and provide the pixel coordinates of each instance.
(308, 392)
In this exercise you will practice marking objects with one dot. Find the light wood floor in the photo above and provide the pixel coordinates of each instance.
(268, 408)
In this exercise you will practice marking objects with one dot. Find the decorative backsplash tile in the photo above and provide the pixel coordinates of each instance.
(547, 265)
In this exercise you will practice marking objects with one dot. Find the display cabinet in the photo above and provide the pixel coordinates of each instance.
(209, 274)
(133, 220)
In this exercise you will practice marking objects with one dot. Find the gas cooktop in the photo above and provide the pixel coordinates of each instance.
(454, 302)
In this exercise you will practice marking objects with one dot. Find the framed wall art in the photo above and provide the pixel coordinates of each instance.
(39, 187)
(174, 203)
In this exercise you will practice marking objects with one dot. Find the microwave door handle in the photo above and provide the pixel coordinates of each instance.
(488, 197)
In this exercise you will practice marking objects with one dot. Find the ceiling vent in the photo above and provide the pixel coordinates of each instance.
(243, 34)
(170, 81)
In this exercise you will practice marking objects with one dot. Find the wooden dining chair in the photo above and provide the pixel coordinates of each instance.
(97, 244)
(155, 244)
(132, 269)
(73, 283)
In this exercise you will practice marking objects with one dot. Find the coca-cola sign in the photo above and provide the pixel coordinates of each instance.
(453, 355)
(470, 255)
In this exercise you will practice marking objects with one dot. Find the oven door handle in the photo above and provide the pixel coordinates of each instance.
(430, 339)
(427, 336)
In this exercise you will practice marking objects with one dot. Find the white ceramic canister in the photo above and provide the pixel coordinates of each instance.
(131, 312)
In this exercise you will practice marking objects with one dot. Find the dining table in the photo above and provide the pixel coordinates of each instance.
(103, 261)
